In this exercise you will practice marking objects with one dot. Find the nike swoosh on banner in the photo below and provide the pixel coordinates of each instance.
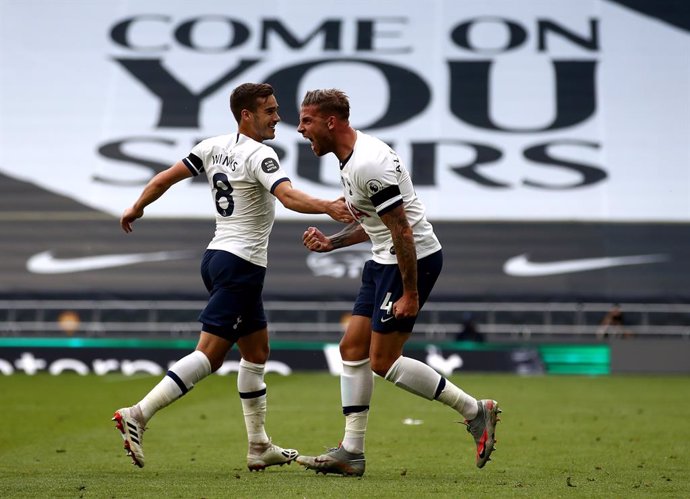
(521, 266)
(47, 263)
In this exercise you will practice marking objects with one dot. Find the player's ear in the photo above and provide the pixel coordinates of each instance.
(246, 114)
(330, 122)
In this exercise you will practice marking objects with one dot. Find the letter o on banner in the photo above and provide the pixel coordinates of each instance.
(408, 94)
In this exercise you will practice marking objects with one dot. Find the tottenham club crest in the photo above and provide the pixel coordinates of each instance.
(374, 186)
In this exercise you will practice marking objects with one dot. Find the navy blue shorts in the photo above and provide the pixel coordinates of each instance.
(382, 286)
(235, 307)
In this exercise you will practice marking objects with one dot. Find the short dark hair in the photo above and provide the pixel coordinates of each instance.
(246, 96)
(329, 101)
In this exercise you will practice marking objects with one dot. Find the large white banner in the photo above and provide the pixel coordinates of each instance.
(502, 110)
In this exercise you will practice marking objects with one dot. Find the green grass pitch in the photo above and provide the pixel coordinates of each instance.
(560, 436)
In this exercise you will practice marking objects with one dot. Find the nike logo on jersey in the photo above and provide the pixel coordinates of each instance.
(387, 318)
(47, 263)
(521, 266)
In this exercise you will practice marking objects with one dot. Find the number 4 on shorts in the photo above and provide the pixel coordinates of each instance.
(387, 304)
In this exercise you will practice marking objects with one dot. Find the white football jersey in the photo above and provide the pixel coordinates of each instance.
(242, 174)
(375, 180)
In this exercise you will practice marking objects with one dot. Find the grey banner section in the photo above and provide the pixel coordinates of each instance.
(161, 258)
(650, 356)
(54, 246)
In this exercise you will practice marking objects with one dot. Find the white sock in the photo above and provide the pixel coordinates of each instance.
(454, 397)
(356, 388)
(415, 377)
(355, 431)
(420, 379)
(252, 389)
(181, 378)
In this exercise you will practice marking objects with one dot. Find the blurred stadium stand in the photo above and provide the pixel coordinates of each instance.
(323, 321)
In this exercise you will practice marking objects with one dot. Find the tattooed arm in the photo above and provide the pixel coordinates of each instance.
(406, 253)
(316, 241)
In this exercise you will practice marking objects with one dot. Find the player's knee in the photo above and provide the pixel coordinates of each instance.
(353, 351)
(255, 348)
(214, 353)
(216, 361)
(257, 355)
(381, 364)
